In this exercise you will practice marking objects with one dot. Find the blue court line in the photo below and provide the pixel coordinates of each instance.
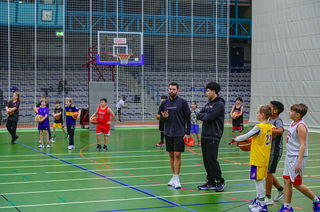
(108, 178)
(148, 208)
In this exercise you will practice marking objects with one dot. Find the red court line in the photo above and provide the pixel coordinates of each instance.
(107, 166)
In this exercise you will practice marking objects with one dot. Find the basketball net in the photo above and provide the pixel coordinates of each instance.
(124, 58)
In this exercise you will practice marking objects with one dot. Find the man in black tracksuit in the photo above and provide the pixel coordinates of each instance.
(212, 116)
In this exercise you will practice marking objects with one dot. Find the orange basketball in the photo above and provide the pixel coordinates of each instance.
(245, 145)
(11, 113)
(75, 115)
(189, 142)
(39, 117)
(94, 120)
(158, 117)
(57, 117)
(235, 113)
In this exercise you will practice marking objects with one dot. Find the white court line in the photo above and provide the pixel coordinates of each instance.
(136, 198)
(120, 177)
(124, 152)
(127, 162)
(16, 174)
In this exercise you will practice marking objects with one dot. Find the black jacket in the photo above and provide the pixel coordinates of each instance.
(212, 115)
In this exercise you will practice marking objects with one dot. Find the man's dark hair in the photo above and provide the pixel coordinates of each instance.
(213, 86)
(103, 99)
(278, 106)
(164, 97)
(174, 84)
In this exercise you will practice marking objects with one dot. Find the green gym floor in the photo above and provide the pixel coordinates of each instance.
(130, 176)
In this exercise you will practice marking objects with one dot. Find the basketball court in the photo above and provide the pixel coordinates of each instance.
(130, 176)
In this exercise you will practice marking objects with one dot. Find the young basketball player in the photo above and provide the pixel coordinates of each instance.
(103, 112)
(12, 110)
(259, 156)
(71, 121)
(195, 129)
(296, 158)
(276, 152)
(161, 124)
(43, 123)
(236, 114)
(58, 120)
(35, 109)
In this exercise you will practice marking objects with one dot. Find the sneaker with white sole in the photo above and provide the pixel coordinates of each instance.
(259, 208)
(253, 204)
(176, 183)
(48, 146)
(170, 183)
(279, 196)
(285, 209)
(268, 201)
(40, 146)
(70, 147)
(51, 140)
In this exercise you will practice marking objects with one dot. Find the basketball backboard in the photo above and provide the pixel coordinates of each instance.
(112, 44)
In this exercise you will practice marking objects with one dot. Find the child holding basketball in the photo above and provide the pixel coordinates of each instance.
(161, 124)
(276, 152)
(71, 116)
(103, 112)
(296, 158)
(43, 122)
(259, 156)
(236, 114)
(58, 120)
(194, 121)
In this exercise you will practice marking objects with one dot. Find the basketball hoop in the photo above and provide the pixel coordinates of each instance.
(124, 58)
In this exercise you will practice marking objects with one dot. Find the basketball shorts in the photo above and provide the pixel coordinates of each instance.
(174, 144)
(195, 128)
(258, 172)
(43, 128)
(103, 129)
(273, 163)
(57, 125)
(289, 169)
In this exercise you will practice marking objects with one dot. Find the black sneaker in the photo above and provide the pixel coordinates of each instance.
(220, 187)
(98, 147)
(105, 147)
(14, 141)
(207, 186)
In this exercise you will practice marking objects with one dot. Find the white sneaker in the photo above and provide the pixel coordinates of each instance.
(268, 201)
(253, 204)
(48, 146)
(52, 141)
(259, 208)
(176, 183)
(279, 196)
(70, 147)
(171, 182)
(40, 146)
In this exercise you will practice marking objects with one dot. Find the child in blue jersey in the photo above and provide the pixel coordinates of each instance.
(43, 122)
(259, 156)
(195, 129)
(70, 121)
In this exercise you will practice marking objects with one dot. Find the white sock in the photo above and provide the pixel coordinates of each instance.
(316, 199)
(287, 205)
(175, 176)
(261, 193)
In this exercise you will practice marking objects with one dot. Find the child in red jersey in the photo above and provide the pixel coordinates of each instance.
(103, 114)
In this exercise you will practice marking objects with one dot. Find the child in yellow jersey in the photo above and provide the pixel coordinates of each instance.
(259, 156)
